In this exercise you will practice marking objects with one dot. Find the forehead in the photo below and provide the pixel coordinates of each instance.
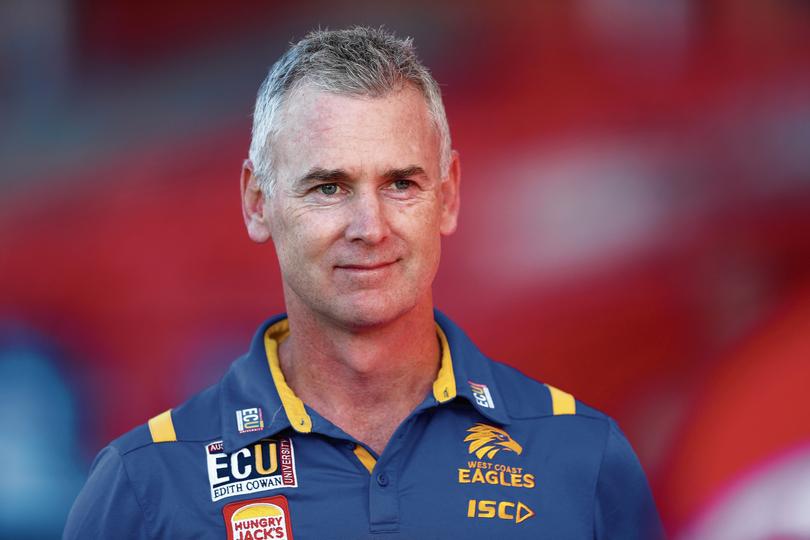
(323, 129)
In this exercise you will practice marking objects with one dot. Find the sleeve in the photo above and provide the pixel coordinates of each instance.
(106, 506)
(624, 506)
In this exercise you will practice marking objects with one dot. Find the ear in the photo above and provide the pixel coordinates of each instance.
(450, 194)
(254, 207)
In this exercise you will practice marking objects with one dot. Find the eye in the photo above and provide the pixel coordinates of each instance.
(327, 189)
(402, 184)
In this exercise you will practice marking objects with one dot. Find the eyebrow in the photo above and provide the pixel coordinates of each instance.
(318, 174)
(406, 172)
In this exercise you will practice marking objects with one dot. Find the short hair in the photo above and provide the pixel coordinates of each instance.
(356, 61)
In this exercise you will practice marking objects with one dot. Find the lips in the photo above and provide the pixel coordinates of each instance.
(365, 266)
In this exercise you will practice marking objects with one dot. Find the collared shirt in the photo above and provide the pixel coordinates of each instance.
(489, 453)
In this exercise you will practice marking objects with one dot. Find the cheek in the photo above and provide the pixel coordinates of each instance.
(420, 230)
(433, 241)
(304, 238)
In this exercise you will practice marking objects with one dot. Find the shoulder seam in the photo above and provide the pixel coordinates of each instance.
(536, 416)
(128, 451)
(609, 422)
(135, 493)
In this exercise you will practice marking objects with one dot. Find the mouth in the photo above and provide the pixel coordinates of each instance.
(366, 267)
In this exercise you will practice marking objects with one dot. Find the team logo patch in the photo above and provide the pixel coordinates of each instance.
(263, 466)
(248, 420)
(259, 519)
(485, 443)
(482, 395)
(486, 440)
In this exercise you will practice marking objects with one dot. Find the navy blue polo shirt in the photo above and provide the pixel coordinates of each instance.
(489, 453)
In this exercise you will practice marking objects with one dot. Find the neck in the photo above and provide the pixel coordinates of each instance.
(364, 381)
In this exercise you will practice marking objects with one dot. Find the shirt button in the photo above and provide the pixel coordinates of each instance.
(382, 479)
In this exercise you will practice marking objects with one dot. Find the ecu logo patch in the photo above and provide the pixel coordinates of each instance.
(482, 395)
(248, 420)
(259, 519)
(266, 465)
(486, 440)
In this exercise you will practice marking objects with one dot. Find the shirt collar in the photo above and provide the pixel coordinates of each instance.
(472, 371)
(255, 387)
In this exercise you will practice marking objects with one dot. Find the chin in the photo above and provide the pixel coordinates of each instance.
(365, 313)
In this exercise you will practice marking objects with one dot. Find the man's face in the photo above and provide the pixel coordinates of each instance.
(359, 205)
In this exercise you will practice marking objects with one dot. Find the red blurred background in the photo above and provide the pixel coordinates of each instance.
(635, 222)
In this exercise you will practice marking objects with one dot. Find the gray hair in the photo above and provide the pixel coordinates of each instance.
(356, 61)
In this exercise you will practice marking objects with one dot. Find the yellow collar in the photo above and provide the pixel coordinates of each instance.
(444, 387)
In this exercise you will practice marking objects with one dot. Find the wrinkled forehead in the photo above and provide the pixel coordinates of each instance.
(330, 130)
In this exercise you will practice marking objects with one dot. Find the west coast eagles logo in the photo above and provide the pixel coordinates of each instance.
(486, 440)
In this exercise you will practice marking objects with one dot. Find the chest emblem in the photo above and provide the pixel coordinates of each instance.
(266, 465)
(486, 440)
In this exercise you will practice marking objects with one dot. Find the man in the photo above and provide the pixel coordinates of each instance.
(363, 413)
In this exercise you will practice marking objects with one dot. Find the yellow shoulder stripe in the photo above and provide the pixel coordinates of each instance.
(562, 402)
(162, 428)
(365, 457)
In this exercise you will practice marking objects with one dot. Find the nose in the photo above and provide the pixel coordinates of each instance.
(367, 220)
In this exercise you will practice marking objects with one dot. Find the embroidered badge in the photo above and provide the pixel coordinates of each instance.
(258, 519)
(486, 442)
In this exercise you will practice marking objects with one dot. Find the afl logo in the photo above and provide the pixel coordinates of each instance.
(259, 519)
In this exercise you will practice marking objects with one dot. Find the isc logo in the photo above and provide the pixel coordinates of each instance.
(507, 510)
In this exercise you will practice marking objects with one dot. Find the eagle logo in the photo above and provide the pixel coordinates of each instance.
(488, 440)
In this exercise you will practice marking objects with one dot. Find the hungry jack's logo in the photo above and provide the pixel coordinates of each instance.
(486, 440)
(258, 519)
